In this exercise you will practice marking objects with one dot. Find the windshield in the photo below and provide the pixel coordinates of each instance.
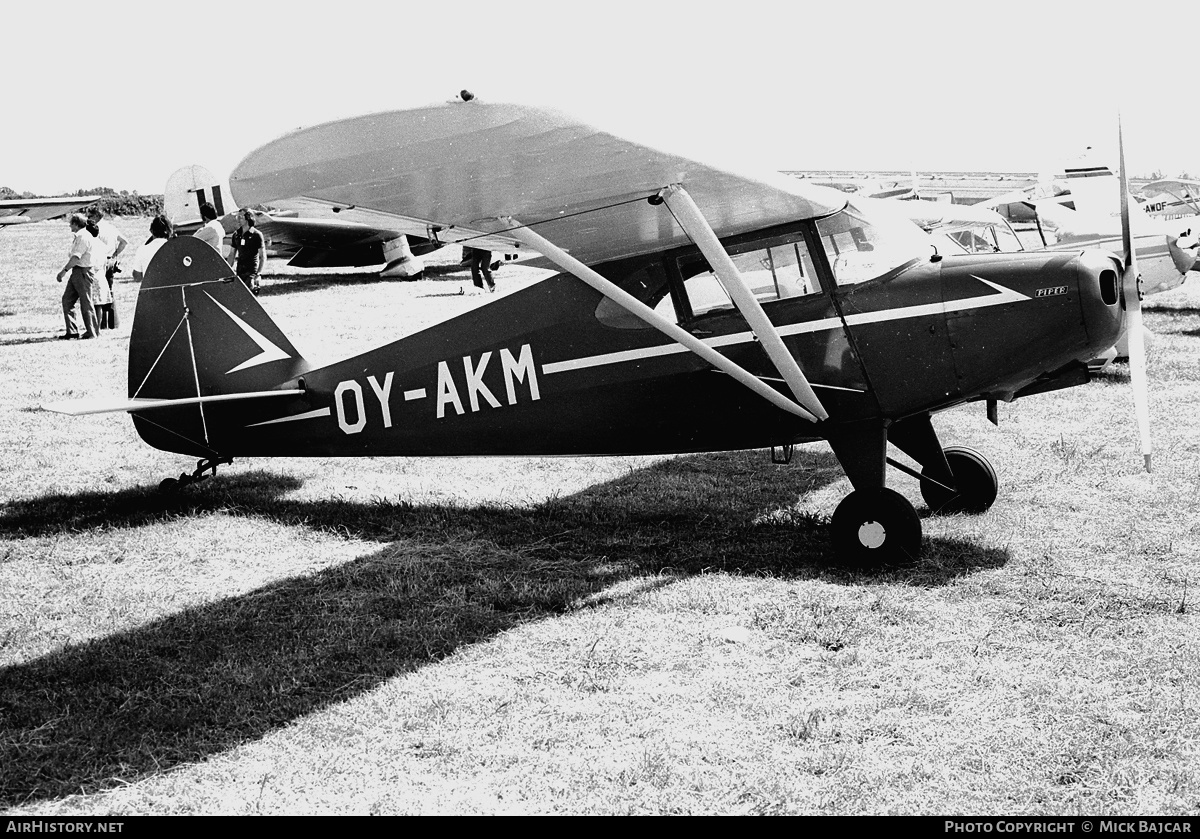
(862, 245)
(982, 238)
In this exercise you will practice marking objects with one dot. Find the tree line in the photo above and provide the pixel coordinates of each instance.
(123, 203)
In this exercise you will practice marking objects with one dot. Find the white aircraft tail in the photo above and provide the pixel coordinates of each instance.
(188, 188)
(1096, 190)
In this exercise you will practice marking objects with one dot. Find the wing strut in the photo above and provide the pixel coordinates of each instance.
(673, 331)
(697, 228)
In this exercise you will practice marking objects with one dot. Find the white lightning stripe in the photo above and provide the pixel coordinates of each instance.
(815, 384)
(1006, 295)
(320, 412)
(270, 352)
(419, 393)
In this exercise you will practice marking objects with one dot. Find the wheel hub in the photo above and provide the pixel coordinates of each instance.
(871, 534)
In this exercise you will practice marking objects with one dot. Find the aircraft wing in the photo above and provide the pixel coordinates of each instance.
(26, 210)
(462, 167)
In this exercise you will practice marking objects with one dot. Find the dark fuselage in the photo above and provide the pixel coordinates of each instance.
(560, 369)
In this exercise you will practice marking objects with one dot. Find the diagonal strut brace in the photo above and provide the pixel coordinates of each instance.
(673, 331)
(698, 230)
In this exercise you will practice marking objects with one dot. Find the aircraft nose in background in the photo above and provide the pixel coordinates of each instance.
(1185, 252)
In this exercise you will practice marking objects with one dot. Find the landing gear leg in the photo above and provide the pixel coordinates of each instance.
(204, 468)
(953, 480)
(975, 484)
(873, 525)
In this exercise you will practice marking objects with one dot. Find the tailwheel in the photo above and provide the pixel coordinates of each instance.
(974, 478)
(203, 469)
(876, 527)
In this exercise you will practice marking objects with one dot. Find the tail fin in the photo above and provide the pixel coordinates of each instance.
(188, 188)
(1096, 190)
(198, 331)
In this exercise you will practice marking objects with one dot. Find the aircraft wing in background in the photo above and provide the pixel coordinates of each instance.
(311, 234)
(25, 210)
(326, 234)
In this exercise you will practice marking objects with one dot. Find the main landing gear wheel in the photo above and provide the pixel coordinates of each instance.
(876, 527)
(976, 481)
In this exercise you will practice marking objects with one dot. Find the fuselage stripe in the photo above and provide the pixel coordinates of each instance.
(319, 412)
(1006, 295)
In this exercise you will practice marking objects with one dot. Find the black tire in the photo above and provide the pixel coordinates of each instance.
(976, 481)
(876, 527)
(168, 486)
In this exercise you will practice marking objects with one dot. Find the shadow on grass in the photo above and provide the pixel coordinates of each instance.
(279, 284)
(116, 709)
(1168, 321)
(32, 339)
(1170, 311)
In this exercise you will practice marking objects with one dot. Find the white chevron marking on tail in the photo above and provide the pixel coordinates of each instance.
(270, 352)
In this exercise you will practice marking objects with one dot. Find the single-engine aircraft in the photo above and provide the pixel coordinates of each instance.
(1172, 198)
(874, 188)
(698, 309)
(15, 211)
(313, 233)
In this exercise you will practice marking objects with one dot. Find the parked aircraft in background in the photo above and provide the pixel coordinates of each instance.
(1082, 209)
(873, 187)
(15, 211)
(313, 233)
(1172, 198)
(698, 309)
(309, 242)
(966, 228)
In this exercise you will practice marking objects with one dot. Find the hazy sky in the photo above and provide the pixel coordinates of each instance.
(120, 93)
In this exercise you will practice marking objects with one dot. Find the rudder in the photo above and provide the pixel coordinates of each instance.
(198, 331)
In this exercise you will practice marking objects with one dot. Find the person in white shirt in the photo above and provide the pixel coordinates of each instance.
(212, 231)
(102, 298)
(114, 244)
(81, 287)
(160, 232)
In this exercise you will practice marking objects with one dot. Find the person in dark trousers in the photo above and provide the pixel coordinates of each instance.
(105, 264)
(249, 255)
(82, 284)
(481, 267)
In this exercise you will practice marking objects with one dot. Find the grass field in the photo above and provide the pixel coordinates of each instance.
(596, 635)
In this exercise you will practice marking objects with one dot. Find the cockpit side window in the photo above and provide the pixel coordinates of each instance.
(648, 283)
(778, 269)
(975, 239)
(861, 248)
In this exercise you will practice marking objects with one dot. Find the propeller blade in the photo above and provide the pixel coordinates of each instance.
(1133, 312)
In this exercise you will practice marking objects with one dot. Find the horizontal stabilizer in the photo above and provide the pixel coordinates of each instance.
(79, 407)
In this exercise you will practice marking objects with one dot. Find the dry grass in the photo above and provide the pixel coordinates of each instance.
(636, 635)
